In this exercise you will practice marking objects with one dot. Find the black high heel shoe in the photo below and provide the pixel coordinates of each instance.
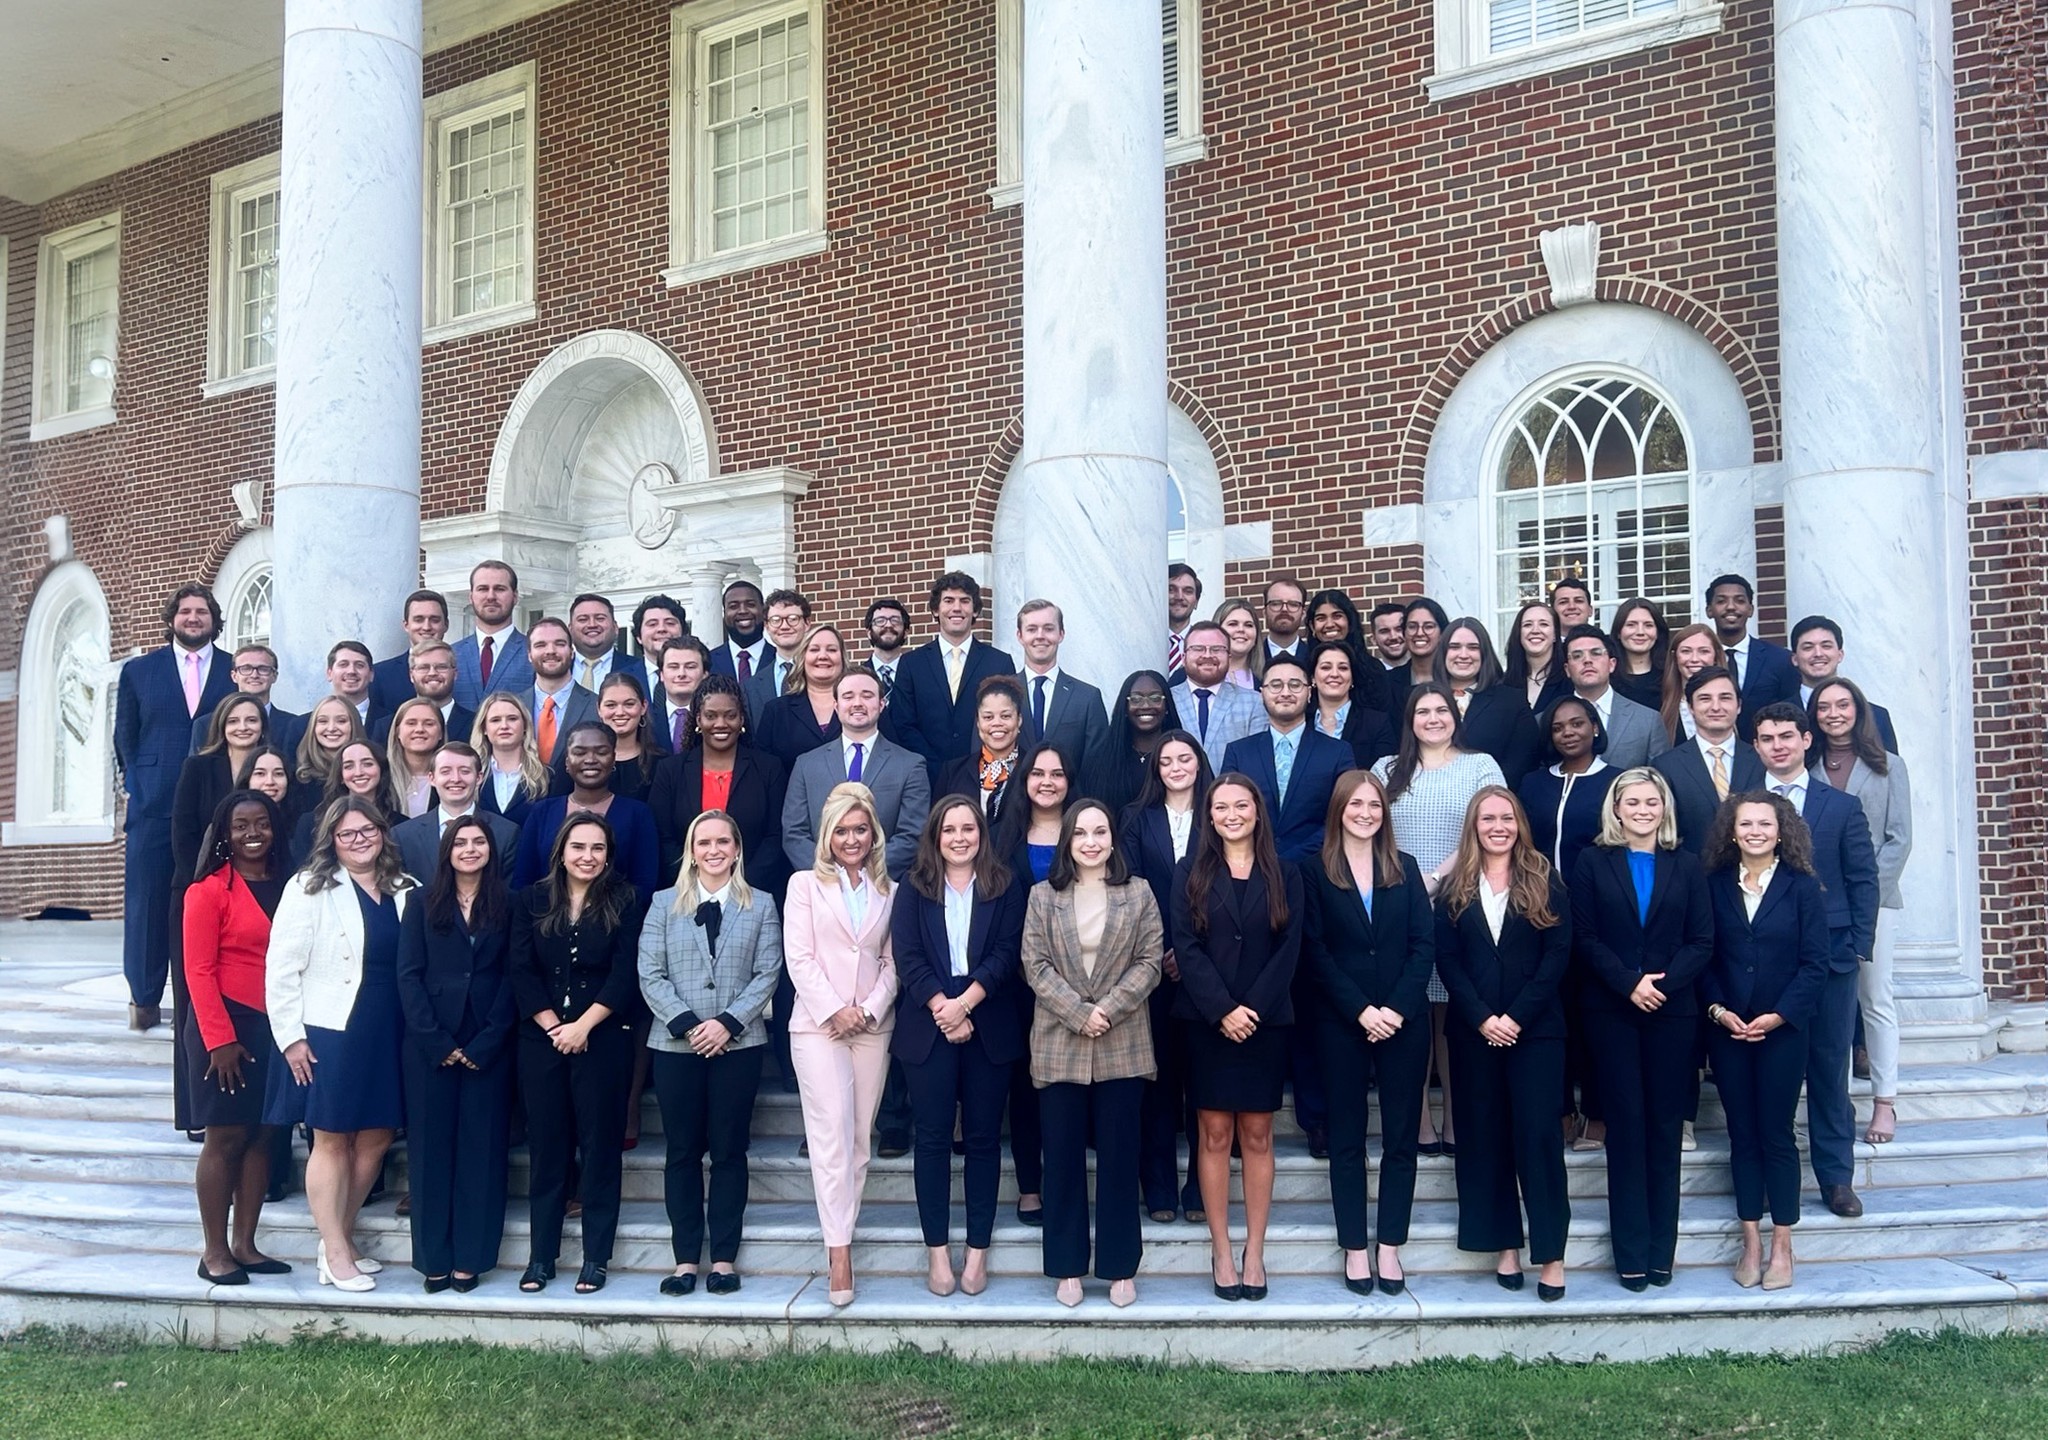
(1249, 1292)
(590, 1279)
(1507, 1281)
(463, 1284)
(1549, 1294)
(538, 1273)
(1660, 1278)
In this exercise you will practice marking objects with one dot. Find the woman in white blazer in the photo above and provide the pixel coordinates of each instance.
(836, 945)
(331, 987)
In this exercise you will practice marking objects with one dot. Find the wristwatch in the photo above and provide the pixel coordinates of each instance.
(1715, 1012)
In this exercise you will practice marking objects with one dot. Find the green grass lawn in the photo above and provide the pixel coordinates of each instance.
(69, 1385)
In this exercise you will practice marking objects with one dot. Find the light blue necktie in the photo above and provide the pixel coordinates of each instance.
(1283, 763)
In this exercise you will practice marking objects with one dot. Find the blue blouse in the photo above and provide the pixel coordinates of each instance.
(1642, 868)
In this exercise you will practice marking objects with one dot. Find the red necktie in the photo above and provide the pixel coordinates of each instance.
(483, 663)
(745, 667)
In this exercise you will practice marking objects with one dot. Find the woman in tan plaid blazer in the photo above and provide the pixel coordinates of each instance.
(1092, 943)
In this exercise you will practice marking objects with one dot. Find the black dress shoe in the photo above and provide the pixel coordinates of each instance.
(1548, 1294)
(1031, 1217)
(718, 1282)
(537, 1276)
(1319, 1144)
(1251, 1292)
(893, 1147)
(1449, 1150)
(1228, 1292)
(590, 1279)
(1392, 1287)
(463, 1284)
(276, 1193)
(1660, 1278)
(267, 1266)
(1635, 1284)
(236, 1276)
(1842, 1200)
(197, 1137)
(1429, 1147)
(435, 1284)
(1508, 1282)
(1358, 1287)
(679, 1284)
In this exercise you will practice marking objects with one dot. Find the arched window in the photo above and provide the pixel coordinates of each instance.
(1593, 480)
(62, 767)
(243, 587)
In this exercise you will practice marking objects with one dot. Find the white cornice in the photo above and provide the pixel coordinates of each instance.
(222, 106)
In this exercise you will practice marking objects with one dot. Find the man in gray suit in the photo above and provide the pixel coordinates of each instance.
(1635, 733)
(1058, 708)
(1217, 711)
(902, 789)
(458, 771)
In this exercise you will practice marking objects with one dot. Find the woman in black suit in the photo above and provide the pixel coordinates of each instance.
(1770, 965)
(804, 716)
(1237, 933)
(1645, 639)
(1642, 930)
(1333, 619)
(1497, 719)
(1340, 712)
(515, 778)
(1156, 833)
(575, 978)
(455, 987)
(1141, 715)
(717, 772)
(1535, 661)
(989, 771)
(621, 709)
(1503, 941)
(957, 928)
(1369, 940)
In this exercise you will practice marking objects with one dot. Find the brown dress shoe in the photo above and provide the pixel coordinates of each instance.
(144, 1017)
(1842, 1200)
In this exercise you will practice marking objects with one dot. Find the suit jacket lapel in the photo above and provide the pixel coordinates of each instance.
(977, 925)
(1660, 884)
(1781, 881)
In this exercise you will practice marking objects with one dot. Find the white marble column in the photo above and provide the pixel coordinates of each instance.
(348, 341)
(1094, 455)
(1876, 500)
(707, 603)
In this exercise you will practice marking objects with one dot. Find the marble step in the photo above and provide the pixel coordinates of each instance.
(1312, 1325)
(782, 1238)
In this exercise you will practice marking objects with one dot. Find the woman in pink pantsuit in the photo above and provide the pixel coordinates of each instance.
(835, 941)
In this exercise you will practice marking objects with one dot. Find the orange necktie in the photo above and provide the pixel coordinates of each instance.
(547, 730)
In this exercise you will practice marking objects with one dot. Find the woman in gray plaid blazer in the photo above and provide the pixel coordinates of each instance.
(710, 954)
(1092, 944)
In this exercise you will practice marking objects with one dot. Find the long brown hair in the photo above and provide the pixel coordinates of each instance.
(610, 897)
(1674, 683)
(1209, 861)
(216, 728)
(928, 871)
(1408, 755)
(1386, 855)
(1864, 740)
(1795, 841)
(1528, 871)
(323, 868)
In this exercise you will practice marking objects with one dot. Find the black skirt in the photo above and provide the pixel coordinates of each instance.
(208, 1103)
(1226, 1075)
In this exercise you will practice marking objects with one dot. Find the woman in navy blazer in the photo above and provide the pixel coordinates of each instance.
(1642, 930)
(957, 928)
(1369, 940)
(455, 986)
(1503, 941)
(1762, 988)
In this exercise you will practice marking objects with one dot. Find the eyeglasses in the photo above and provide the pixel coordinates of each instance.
(1146, 701)
(1208, 650)
(360, 836)
(254, 672)
(1285, 687)
(1285, 605)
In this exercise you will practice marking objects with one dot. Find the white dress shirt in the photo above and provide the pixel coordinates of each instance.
(1753, 898)
(959, 919)
(1494, 905)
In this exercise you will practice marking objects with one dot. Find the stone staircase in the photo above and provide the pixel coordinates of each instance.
(97, 1226)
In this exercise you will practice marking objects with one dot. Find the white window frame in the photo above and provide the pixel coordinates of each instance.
(69, 584)
(240, 568)
(444, 113)
(1464, 65)
(693, 28)
(1190, 140)
(225, 373)
(56, 251)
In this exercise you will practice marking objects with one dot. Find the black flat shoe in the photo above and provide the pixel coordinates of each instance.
(590, 1279)
(197, 1137)
(276, 1193)
(1549, 1294)
(1319, 1144)
(720, 1283)
(537, 1276)
(435, 1284)
(893, 1147)
(1449, 1150)
(463, 1284)
(679, 1284)
(236, 1276)
(1358, 1287)
(1508, 1282)
(1635, 1284)
(1429, 1147)
(267, 1266)
(1660, 1278)
(1228, 1292)
(1392, 1287)
(1031, 1217)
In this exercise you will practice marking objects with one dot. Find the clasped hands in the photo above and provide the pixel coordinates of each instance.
(456, 1057)
(569, 1037)
(846, 1022)
(708, 1038)
(951, 1015)
(1240, 1024)
(1752, 1030)
(1379, 1023)
(1499, 1031)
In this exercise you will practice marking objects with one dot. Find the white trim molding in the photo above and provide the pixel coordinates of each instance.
(53, 413)
(694, 30)
(225, 293)
(509, 96)
(1466, 61)
(45, 669)
(2009, 475)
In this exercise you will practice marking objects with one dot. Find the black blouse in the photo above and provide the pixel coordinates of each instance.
(584, 965)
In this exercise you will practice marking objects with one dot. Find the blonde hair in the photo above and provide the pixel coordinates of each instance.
(1528, 871)
(796, 681)
(846, 796)
(533, 775)
(396, 764)
(315, 761)
(689, 893)
(1611, 832)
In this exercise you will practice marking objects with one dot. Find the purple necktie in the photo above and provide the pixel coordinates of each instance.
(853, 769)
(682, 718)
(745, 666)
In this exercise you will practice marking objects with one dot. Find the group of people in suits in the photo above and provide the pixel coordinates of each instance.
(953, 893)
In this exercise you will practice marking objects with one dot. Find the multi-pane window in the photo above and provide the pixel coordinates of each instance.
(248, 611)
(758, 125)
(1514, 24)
(63, 778)
(78, 775)
(1483, 43)
(255, 281)
(242, 307)
(480, 211)
(77, 323)
(1594, 482)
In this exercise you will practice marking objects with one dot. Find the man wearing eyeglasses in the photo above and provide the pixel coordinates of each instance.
(1215, 710)
(254, 671)
(1286, 609)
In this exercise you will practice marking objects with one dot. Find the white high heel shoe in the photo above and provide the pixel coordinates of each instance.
(354, 1284)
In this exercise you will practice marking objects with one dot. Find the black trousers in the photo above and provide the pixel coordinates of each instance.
(706, 1105)
(958, 1079)
(1508, 1139)
(1581, 1075)
(1166, 1117)
(1113, 1106)
(893, 1118)
(1027, 1139)
(1644, 1067)
(1351, 1063)
(575, 1104)
(1759, 1082)
(456, 1123)
(1830, 1114)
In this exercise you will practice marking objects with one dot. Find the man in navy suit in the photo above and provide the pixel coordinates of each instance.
(745, 649)
(788, 618)
(657, 620)
(1763, 672)
(254, 671)
(1817, 656)
(888, 624)
(432, 677)
(1846, 863)
(684, 663)
(1286, 609)
(426, 618)
(493, 655)
(1711, 766)
(1295, 767)
(932, 707)
(458, 771)
(1059, 709)
(157, 698)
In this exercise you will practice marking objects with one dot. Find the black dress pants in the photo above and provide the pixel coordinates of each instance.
(1168, 1115)
(456, 1123)
(1830, 1115)
(1508, 1140)
(575, 1104)
(1645, 1069)
(958, 1078)
(1304, 1069)
(706, 1105)
(1113, 1106)
(1350, 1065)
(1581, 1075)
(1759, 1082)
(1027, 1140)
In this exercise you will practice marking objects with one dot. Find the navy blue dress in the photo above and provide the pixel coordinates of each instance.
(357, 1077)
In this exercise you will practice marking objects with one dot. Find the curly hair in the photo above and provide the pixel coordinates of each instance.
(1795, 841)
(706, 688)
(323, 868)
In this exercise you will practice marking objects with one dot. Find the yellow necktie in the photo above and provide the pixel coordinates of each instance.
(1720, 772)
(954, 663)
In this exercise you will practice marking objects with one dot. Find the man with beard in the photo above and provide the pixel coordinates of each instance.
(1183, 594)
(888, 625)
(745, 647)
(493, 655)
(594, 633)
(558, 703)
